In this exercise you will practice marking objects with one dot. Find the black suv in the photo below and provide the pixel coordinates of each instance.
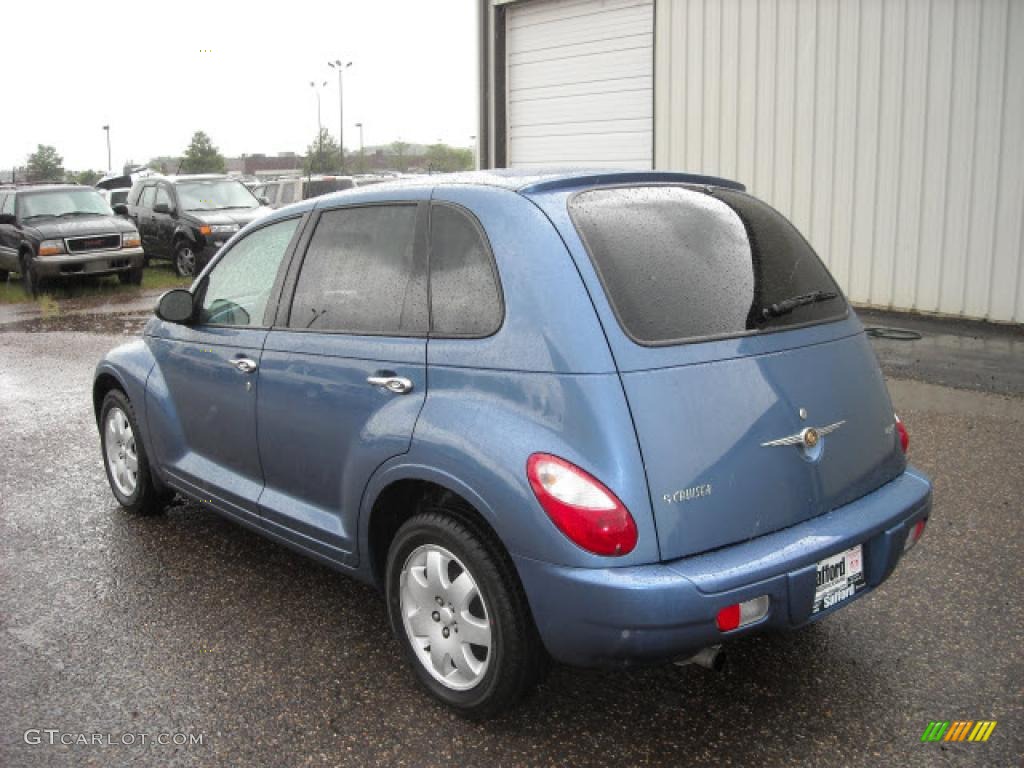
(188, 218)
(60, 230)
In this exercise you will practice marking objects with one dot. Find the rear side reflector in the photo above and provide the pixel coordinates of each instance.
(581, 507)
(914, 536)
(901, 429)
(741, 614)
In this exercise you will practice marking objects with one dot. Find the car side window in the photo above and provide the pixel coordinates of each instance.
(270, 193)
(146, 199)
(287, 193)
(238, 287)
(8, 204)
(163, 195)
(363, 274)
(465, 298)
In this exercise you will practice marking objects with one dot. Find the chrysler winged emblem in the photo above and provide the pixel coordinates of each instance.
(809, 437)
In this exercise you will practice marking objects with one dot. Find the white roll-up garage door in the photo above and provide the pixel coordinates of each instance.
(579, 83)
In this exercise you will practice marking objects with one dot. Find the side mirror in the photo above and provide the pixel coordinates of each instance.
(264, 200)
(175, 306)
(120, 209)
(7, 218)
(162, 208)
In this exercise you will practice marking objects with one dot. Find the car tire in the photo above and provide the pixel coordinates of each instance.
(131, 276)
(478, 681)
(185, 259)
(29, 279)
(121, 446)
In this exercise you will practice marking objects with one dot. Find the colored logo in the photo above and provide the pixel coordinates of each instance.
(958, 730)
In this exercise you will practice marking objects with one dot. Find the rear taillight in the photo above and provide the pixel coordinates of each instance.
(581, 506)
(904, 435)
(915, 535)
(741, 614)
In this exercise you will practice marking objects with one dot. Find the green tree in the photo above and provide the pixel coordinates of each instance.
(201, 156)
(45, 164)
(399, 149)
(85, 177)
(444, 159)
(322, 156)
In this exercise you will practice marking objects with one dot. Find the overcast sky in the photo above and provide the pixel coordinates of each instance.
(141, 67)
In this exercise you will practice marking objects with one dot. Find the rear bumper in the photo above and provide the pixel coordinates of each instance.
(91, 263)
(620, 616)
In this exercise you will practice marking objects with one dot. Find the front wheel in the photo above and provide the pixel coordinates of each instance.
(29, 279)
(184, 259)
(131, 276)
(124, 457)
(460, 615)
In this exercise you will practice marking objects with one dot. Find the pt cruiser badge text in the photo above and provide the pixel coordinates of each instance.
(688, 494)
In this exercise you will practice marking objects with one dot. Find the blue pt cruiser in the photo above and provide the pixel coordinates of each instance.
(605, 418)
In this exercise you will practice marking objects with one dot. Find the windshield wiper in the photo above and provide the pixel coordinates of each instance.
(786, 306)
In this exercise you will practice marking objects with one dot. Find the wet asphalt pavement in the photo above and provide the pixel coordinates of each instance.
(186, 623)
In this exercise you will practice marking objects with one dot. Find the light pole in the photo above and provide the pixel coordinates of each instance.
(337, 64)
(319, 127)
(362, 158)
(109, 166)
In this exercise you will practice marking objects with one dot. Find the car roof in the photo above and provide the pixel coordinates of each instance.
(175, 178)
(44, 187)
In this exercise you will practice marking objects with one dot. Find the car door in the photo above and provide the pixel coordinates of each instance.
(8, 235)
(165, 219)
(343, 374)
(144, 218)
(201, 396)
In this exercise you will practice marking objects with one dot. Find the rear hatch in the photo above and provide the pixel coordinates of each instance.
(757, 399)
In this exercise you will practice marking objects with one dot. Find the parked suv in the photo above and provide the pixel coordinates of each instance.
(611, 418)
(284, 192)
(188, 218)
(59, 230)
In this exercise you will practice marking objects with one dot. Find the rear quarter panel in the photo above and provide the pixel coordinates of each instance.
(545, 381)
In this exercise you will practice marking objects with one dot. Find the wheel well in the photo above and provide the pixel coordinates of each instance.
(403, 499)
(103, 384)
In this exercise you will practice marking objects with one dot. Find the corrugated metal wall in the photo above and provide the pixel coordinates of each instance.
(890, 131)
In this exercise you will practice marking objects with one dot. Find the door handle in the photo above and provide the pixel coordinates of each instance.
(244, 364)
(399, 385)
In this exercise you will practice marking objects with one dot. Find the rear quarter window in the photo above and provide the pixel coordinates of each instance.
(681, 264)
(465, 297)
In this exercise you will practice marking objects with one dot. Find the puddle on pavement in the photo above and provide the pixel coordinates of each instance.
(128, 323)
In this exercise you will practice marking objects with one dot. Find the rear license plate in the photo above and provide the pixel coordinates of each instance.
(839, 578)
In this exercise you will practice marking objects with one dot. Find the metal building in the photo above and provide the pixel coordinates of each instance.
(890, 131)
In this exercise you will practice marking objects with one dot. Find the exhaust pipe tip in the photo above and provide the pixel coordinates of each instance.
(711, 658)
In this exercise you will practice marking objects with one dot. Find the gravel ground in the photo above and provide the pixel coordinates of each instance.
(188, 624)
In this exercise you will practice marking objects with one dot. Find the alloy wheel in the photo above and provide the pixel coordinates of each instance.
(121, 452)
(445, 617)
(185, 261)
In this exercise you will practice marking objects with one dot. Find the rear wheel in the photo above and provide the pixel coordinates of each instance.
(124, 457)
(460, 615)
(184, 259)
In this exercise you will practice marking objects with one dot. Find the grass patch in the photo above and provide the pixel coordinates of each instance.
(154, 277)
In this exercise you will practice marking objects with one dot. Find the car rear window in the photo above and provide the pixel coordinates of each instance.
(681, 263)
